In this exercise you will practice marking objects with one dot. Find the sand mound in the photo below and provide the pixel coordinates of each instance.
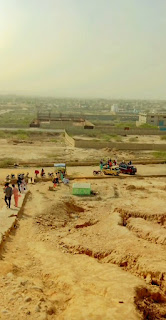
(72, 207)
(59, 215)
(132, 187)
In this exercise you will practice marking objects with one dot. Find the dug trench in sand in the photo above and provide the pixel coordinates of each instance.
(75, 258)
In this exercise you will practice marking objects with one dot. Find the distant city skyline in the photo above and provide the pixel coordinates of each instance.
(83, 49)
(31, 95)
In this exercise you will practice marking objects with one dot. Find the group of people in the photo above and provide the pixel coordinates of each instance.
(59, 176)
(16, 192)
(109, 163)
(22, 185)
(9, 191)
(129, 163)
(42, 173)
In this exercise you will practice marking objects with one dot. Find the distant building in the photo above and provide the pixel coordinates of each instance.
(88, 125)
(158, 120)
(114, 108)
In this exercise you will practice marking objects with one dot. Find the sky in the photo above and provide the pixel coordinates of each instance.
(83, 48)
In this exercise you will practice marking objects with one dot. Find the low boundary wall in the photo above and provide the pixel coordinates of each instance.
(132, 131)
(92, 144)
(69, 140)
(119, 146)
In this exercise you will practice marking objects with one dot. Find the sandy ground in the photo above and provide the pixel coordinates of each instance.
(85, 258)
(131, 138)
(53, 151)
(145, 139)
(141, 170)
(88, 258)
(31, 150)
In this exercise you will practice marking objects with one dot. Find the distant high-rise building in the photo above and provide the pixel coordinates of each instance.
(114, 108)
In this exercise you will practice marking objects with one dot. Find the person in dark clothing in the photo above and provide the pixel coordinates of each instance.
(19, 181)
(55, 181)
(8, 194)
(42, 173)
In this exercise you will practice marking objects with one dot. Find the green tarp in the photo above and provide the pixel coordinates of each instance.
(81, 189)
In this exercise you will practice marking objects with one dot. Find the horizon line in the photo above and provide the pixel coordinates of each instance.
(79, 98)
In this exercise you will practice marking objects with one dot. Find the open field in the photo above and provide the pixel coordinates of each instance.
(132, 138)
(84, 258)
(39, 147)
(97, 257)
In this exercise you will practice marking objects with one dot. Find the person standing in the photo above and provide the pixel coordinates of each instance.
(58, 175)
(36, 173)
(19, 183)
(42, 173)
(24, 184)
(61, 175)
(55, 182)
(15, 193)
(110, 163)
(8, 195)
(22, 187)
(101, 164)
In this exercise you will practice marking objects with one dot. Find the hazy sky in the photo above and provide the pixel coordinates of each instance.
(83, 48)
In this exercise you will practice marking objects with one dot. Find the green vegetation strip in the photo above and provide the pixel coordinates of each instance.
(27, 135)
(163, 137)
(148, 126)
(160, 155)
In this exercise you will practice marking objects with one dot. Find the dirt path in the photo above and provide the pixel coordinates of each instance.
(151, 169)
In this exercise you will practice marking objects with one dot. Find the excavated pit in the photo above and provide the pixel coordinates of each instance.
(85, 225)
(59, 215)
(151, 304)
(133, 188)
(157, 217)
(77, 240)
(147, 230)
(81, 250)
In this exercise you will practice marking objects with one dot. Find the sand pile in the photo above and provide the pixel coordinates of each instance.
(132, 187)
(59, 215)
